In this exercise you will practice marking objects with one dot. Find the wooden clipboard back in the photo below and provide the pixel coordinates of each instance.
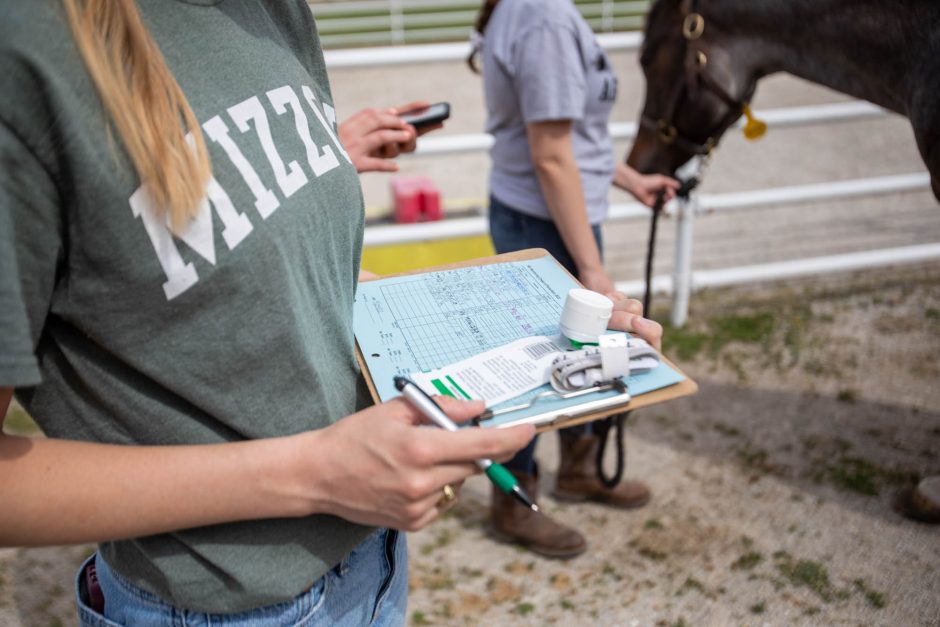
(685, 387)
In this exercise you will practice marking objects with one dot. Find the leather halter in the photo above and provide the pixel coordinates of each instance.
(693, 26)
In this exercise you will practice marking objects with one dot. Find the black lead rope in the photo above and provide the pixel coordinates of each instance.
(602, 427)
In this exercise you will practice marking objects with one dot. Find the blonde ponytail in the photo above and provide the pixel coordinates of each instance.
(146, 104)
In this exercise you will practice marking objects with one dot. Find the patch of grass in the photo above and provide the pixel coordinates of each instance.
(664, 420)
(744, 328)
(419, 618)
(855, 475)
(747, 561)
(612, 572)
(470, 572)
(758, 608)
(726, 429)
(862, 476)
(810, 442)
(680, 623)
(875, 599)
(797, 323)
(441, 539)
(753, 457)
(847, 395)
(808, 574)
(932, 313)
(439, 579)
(691, 583)
(682, 342)
(566, 604)
(524, 608)
(814, 367)
(651, 554)
(652, 523)
(842, 445)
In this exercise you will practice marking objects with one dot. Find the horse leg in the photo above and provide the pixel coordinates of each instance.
(925, 118)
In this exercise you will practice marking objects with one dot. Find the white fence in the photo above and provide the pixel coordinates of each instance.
(684, 280)
(396, 22)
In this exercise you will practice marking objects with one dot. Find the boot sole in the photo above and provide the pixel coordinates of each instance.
(576, 497)
(508, 539)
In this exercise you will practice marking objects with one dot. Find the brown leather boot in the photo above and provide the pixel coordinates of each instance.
(514, 522)
(577, 476)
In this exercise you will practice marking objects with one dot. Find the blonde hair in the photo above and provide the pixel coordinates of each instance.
(146, 105)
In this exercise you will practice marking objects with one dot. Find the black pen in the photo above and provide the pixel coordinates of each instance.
(501, 478)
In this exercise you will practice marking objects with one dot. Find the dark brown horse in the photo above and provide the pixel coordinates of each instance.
(703, 58)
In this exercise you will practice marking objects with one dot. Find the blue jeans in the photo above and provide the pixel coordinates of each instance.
(510, 231)
(369, 587)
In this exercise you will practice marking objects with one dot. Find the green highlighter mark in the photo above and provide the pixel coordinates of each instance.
(459, 389)
(442, 388)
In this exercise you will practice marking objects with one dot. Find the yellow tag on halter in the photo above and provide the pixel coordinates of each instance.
(754, 128)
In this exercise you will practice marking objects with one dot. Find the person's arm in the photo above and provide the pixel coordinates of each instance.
(560, 181)
(374, 467)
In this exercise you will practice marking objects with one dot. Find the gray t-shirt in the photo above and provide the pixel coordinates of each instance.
(541, 62)
(239, 328)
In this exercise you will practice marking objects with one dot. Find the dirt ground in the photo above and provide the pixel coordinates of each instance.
(772, 486)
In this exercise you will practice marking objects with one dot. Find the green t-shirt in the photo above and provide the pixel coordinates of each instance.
(113, 330)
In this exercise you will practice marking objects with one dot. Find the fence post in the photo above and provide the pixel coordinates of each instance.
(682, 268)
(396, 21)
(607, 16)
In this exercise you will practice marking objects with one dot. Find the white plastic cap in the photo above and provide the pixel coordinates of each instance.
(585, 315)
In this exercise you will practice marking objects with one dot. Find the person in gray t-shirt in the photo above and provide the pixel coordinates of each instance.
(549, 90)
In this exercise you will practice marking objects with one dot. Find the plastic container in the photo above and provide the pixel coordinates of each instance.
(585, 315)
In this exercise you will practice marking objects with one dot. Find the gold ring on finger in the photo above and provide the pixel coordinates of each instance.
(448, 495)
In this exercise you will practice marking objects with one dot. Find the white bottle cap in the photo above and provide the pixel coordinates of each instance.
(585, 315)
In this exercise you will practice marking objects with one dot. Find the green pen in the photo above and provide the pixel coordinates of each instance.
(497, 473)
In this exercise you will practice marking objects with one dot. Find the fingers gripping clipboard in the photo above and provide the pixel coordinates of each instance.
(430, 318)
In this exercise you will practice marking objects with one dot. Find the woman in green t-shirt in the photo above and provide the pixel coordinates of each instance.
(180, 235)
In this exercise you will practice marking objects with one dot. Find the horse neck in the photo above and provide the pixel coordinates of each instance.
(858, 47)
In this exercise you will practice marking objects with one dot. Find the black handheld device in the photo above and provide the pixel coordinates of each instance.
(435, 114)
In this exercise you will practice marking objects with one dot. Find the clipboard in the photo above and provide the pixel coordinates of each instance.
(404, 322)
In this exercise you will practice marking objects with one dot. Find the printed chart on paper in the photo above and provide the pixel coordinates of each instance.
(426, 321)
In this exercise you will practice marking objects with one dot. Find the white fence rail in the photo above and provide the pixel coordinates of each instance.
(683, 280)
(396, 22)
(443, 52)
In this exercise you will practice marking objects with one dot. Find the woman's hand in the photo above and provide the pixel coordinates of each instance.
(644, 187)
(628, 316)
(417, 105)
(379, 467)
(372, 137)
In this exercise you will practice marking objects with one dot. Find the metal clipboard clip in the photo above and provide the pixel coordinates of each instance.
(552, 415)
